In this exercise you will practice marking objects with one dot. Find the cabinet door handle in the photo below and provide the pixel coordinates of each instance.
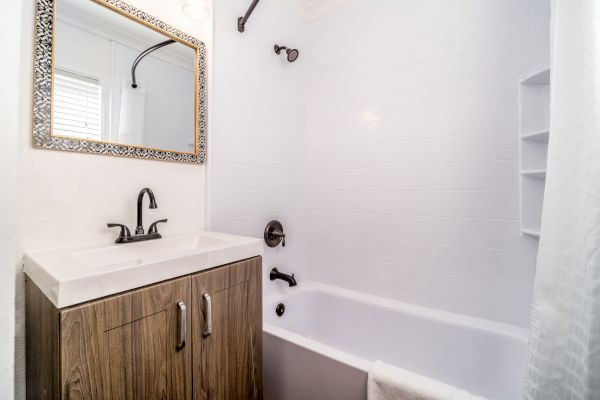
(208, 301)
(182, 324)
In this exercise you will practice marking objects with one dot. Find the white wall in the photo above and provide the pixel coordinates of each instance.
(257, 141)
(10, 20)
(65, 198)
(412, 151)
(411, 146)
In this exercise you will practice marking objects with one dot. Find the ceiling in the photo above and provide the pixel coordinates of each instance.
(310, 10)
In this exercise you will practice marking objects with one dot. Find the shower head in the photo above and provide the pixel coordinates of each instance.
(292, 54)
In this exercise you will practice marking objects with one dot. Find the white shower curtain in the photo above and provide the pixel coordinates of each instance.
(564, 358)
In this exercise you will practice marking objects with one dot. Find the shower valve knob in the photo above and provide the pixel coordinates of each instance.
(274, 234)
(278, 234)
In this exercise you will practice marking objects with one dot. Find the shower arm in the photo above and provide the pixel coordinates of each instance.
(242, 20)
(144, 54)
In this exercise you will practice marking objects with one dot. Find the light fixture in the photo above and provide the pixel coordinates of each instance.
(196, 9)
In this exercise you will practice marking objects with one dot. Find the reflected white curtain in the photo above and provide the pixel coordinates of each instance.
(132, 113)
(564, 359)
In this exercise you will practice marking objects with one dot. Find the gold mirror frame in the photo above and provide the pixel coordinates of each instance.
(43, 81)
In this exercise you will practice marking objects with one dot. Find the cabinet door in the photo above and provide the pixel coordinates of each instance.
(128, 346)
(227, 360)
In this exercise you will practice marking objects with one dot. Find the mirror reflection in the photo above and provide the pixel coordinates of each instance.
(116, 80)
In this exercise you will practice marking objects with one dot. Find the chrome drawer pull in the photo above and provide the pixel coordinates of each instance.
(182, 324)
(208, 301)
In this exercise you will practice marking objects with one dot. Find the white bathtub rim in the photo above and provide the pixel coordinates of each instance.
(447, 317)
(318, 347)
(350, 360)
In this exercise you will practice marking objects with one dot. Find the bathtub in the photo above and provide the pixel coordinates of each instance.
(322, 346)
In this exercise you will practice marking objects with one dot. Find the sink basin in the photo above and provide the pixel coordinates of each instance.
(74, 275)
(121, 256)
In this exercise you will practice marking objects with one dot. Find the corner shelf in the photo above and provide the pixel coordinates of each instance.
(539, 77)
(534, 133)
(535, 173)
(531, 232)
(539, 136)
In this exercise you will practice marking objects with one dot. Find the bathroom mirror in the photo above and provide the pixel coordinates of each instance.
(111, 79)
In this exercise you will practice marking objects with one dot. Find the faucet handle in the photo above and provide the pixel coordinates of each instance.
(124, 230)
(153, 228)
(283, 242)
(274, 234)
(280, 235)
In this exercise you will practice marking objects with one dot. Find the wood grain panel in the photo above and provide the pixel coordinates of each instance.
(139, 359)
(42, 343)
(228, 364)
(121, 372)
(151, 354)
(124, 347)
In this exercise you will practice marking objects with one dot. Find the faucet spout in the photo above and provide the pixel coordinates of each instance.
(126, 237)
(139, 229)
(290, 279)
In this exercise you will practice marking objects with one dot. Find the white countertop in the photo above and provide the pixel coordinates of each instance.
(73, 275)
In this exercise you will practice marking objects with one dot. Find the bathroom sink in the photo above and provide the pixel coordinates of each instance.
(77, 274)
(121, 256)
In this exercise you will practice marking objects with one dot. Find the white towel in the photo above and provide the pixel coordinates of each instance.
(387, 382)
(131, 115)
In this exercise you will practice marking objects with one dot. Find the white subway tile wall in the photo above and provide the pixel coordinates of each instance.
(388, 150)
(412, 150)
(257, 143)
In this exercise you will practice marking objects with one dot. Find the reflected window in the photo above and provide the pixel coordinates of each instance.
(77, 108)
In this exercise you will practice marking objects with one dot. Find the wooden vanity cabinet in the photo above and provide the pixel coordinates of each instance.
(125, 347)
(227, 358)
(153, 342)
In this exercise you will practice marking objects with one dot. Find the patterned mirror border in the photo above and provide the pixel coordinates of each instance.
(42, 94)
